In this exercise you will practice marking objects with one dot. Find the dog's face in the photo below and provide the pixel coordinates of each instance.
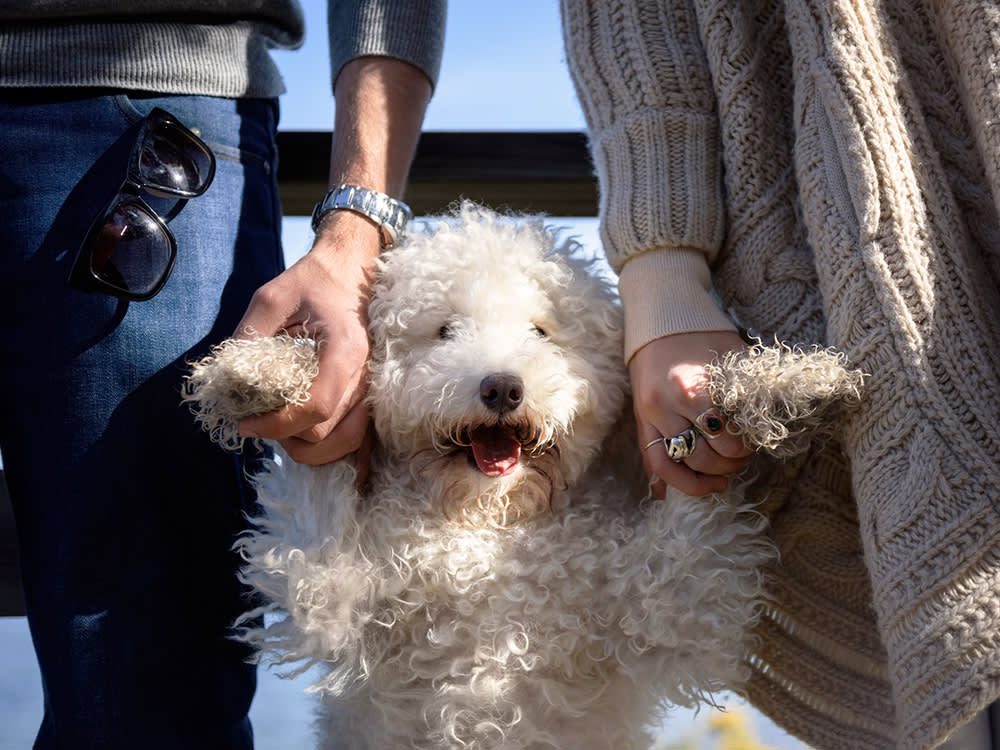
(496, 365)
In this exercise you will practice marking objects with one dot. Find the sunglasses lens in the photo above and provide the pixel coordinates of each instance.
(131, 250)
(170, 159)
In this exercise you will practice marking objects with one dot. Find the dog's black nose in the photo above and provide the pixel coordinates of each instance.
(501, 392)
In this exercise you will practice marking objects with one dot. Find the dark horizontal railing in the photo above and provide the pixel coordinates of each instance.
(545, 172)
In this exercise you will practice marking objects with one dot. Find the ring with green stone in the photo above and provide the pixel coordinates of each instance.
(710, 424)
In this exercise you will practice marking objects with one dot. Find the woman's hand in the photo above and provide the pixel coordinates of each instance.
(669, 385)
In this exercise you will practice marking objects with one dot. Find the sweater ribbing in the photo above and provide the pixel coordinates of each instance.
(188, 47)
(230, 60)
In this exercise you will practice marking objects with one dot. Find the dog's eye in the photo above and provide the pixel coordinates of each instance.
(444, 332)
(540, 332)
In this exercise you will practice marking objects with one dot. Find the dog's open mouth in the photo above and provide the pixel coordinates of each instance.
(495, 449)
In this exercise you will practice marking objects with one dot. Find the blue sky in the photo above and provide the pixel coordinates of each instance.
(503, 69)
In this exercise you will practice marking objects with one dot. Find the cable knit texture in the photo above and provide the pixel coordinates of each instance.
(835, 164)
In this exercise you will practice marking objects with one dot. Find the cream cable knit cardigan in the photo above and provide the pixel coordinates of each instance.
(836, 164)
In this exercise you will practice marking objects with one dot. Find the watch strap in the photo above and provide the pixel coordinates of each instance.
(389, 214)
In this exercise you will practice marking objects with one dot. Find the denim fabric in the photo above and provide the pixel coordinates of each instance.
(125, 512)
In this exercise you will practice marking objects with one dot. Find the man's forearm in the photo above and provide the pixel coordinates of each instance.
(380, 106)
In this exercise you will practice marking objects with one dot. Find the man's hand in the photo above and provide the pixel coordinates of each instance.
(380, 108)
(323, 296)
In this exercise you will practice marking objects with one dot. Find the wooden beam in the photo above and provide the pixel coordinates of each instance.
(543, 172)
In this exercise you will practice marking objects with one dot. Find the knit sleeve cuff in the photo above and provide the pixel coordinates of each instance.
(665, 292)
(661, 183)
(412, 32)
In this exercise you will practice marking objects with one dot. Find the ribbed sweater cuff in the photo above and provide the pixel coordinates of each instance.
(665, 292)
(412, 32)
(661, 183)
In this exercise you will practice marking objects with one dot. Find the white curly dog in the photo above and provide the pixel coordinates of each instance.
(506, 580)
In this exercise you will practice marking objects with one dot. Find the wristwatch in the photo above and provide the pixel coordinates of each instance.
(390, 214)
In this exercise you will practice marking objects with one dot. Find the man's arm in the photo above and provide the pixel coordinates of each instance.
(380, 109)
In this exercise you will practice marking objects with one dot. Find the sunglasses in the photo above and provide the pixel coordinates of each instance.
(129, 251)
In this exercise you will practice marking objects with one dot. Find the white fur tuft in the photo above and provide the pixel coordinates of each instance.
(243, 377)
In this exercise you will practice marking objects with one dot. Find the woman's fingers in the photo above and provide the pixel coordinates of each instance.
(684, 440)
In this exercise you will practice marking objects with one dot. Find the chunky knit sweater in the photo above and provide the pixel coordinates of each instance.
(217, 48)
(832, 167)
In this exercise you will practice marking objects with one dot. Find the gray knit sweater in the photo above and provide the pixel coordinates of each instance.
(209, 47)
(835, 166)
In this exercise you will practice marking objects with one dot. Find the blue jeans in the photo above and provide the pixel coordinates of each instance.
(125, 512)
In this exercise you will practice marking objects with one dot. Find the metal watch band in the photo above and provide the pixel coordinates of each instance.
(390, 214)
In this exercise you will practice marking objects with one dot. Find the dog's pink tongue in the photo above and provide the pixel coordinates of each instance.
(496, 450)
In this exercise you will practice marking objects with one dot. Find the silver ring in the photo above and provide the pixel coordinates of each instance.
(651, 443)
(681, 446)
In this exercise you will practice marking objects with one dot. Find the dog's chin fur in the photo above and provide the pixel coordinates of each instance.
(556, 605)
(468, 497)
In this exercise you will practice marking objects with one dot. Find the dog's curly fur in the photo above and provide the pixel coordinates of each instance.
(255, 379)
(469, 599)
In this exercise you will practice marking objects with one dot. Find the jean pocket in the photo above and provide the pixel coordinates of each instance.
(237, 130)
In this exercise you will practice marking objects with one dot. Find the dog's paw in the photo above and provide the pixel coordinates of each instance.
(781, 398)
(243, 377)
